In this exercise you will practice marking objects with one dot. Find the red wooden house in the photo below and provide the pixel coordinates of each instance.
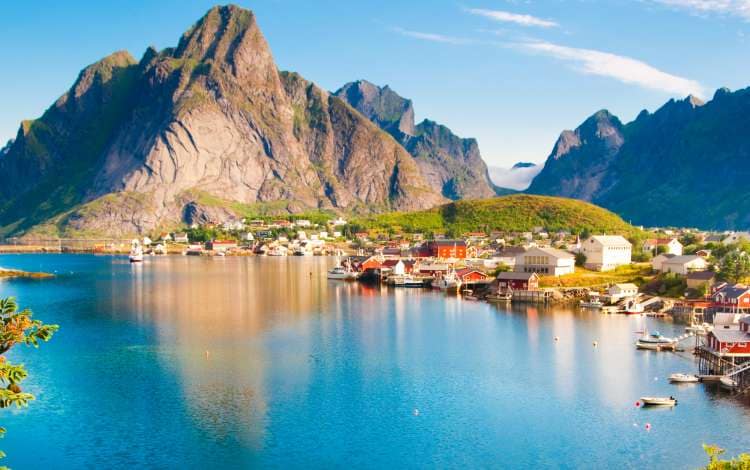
(469, 275)
(729, 342)
(447, 249)
(735, 299)
(517, 281)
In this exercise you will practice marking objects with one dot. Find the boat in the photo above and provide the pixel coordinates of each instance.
(659, 401)
(633, 308)
(683, 378)
(655, 341)
(448, 282)
(342, 273)
(136, 252)
(277, 250)
(499, 297)
(405, 280)
(728, 383)
(592, 302)
(468, 294)
(699, 329)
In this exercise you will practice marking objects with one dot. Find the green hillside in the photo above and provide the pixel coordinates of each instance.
(517, 213)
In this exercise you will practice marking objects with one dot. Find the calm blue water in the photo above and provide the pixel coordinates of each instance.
(190, 362)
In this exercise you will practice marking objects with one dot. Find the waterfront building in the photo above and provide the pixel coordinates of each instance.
(732, 298)
(455, 249)
(471, 276)
(221, 245)
(618, 292)
(606, 252)
(181, 237)
(736, 237)
(548, 261)
(516, 281)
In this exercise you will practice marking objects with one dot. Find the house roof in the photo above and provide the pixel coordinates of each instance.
(684, 259)
(611, 240)
(626, 286)
(449, 242)
(701, 275)
(553, 252)
(732, 291)
(465, 271)
(510, 251)
(730, 336)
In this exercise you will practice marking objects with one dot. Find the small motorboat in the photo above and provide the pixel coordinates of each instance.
(342, 273)
(683, 378)
(592, 302)
(655, 342)
(728, 383)
(448, 282)
(699, 329)
(633, 308)
(659, 401)
(468, 294)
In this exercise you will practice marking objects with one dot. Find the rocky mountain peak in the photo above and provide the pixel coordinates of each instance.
(383, 106)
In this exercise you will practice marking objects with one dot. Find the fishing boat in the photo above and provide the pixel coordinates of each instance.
(342, 273)
(593, 303)
(448, 282)
(633, 307)
(683, 378)
(136, 252)
(659, 401)
(727, 383)
(655, 341)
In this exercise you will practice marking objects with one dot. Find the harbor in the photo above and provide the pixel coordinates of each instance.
(267, 348)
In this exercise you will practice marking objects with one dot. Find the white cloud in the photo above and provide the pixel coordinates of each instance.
(508, 17)
(434, 37)
(514, 178)
(740, 8)
(624, 69)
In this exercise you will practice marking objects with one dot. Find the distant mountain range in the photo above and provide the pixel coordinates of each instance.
(687, 164)
(136, 145)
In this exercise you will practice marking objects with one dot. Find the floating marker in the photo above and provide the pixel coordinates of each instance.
(596, 343)
(648, 426)
(557, 338)
(416, 412)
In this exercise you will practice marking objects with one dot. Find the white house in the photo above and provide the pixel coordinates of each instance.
(606, 252)
(736, 237)
(549, 261)
(303, 223)
(617, 292)
(684, 264)
(657, 261)
(337, 222)
(181, 237)
(672, 246)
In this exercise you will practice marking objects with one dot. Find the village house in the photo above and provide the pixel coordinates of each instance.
(606, 252)
(733, 299)
(264, 234)
(221, 245)
(549, 261)
(671, 246)
(338, 222)
(471, 276)
(684, 264)
(507, 256)
(303, 223)
(618, 292)
(736, 237)
(181, 237)
(455, 249)
(248, 237)
(730, 343)
(511, 281)
(699, 279)
(658, 261)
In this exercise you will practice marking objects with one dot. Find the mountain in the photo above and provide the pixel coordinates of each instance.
(515, 213)
(135, 144)
(448, 162)
(516, 178)
(686, 164)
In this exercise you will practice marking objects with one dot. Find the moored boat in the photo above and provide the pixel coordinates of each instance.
(655, 341)
(659, 401)
(727, 383)
(683, 378)
(136, 252)
(499, 297)
(342, 273)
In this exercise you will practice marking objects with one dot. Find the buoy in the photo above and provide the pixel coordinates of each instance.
(207, 353)
(596, 343)
(557, 338)
(637, 404)
(416, 412)
(648, 426)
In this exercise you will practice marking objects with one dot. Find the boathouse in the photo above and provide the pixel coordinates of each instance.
(516, 281)
(471, 276)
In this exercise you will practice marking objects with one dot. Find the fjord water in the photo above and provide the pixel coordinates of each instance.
(187, 362)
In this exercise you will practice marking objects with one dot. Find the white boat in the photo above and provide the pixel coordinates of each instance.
(683, 378)
(136, 252)
(341, 273)
(590, 304)
(405, 280)
(468, 294)
(728, 383)
(448, 282)
(659, 401)
(632, 307)
(698, 329)
(655, 341)
(277, 250)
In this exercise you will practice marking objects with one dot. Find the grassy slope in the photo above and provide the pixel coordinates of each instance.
(518, 213)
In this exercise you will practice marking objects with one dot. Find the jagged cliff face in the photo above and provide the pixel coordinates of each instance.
(136, 141)
(686, 164)
(450, 164)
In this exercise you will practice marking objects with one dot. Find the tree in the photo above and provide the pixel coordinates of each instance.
(17, 327)
(742, 462)
(580, 259)
(735, 266)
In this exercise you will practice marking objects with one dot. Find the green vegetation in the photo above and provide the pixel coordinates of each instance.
(17, 327)
(735, 266)
(515, 213)
(638, 274)
(741, 462)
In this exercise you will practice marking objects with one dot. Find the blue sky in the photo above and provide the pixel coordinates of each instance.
(513, 74)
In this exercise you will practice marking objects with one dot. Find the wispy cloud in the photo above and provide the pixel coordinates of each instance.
(434, 37)
(624, 69)
(508, 17)
(739, 8)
